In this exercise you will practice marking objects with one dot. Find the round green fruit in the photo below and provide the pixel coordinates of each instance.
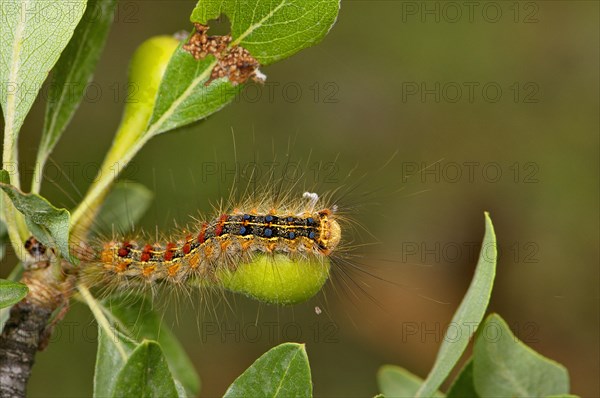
(278, 279)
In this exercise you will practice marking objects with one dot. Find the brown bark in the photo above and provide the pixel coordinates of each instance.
(29, 326)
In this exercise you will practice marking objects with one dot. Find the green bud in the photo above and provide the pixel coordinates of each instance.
(147, 67)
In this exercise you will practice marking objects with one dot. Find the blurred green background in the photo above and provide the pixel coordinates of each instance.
(492, 107)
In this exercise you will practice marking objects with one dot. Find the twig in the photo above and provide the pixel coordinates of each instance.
(30, 325)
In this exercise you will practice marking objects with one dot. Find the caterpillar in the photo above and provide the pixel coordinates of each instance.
(277, 254)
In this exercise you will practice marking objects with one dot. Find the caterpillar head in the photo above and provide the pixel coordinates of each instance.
(331, 232)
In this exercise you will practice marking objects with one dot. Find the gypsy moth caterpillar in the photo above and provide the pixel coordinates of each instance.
(261, 259)
(275, 252)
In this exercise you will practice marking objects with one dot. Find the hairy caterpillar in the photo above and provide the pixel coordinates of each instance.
(274, 253)
(289, 247)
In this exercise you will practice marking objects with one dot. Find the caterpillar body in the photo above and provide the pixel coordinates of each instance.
(274, 255)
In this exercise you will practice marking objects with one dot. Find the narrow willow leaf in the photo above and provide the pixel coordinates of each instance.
(468, 315)
(146, 374)
(11, 292)
(3, 239)
(463, 385)
(272, 30)
(73, 71)
(139, 321)
(183, 98)
(4, 177)
(282, 371)
(505, 367)
(47, 223)
(395, 381)
(113, 350)
(13, 221)
(33, 33)
(14, 276)
(181, 393)
(124, 206)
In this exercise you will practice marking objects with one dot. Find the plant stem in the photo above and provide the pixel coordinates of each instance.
(96, 309)
(27, 330)
(38, 172)
(116, 160)
(14, 220)
(10, 157)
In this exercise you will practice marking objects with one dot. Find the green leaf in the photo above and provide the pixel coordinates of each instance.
(13, 221)
(4, 177)
(73, 71)
(124, 206)
(272, 30)
(11, 292)
(113, 351)
(182, 96)
(138, 320)
(395, 381)
(114, 348)
(146, 374)
(468, 316)
(463, 384)
(283, 371)
(14, 276)
(181, 393)
(3, 234)
(33, 33)
(505, 367)
(47, 223)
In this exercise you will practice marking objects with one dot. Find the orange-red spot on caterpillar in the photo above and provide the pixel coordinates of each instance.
(246, 244)
(106, 256)
(147, 271)
(194, 260)
(172, 270)
(219, 227)
(202, 234)
(124, 249)
(224, 244)
(145, 256)
(187, 247)
(169, 251)
(121, 267)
